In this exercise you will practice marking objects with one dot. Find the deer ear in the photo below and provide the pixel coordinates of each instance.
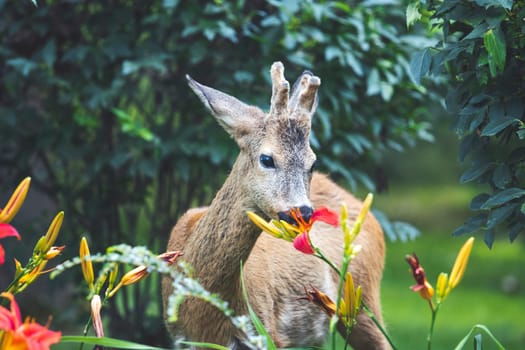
(236, 117)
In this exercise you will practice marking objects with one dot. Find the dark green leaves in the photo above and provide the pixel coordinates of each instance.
(482, 54)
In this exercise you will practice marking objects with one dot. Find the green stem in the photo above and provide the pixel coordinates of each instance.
(342, 273)
(432, 323)
(378, 324)
(321, 256)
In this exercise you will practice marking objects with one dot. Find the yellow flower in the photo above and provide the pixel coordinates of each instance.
(52, 231)
(441, 286)
(29, 278)
(15, 202)
(350, 304)
(460, 265)
(351, 234)
(263, 225)
(86, 264)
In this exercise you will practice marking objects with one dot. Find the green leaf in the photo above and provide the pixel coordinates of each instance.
(506, 4)
(503, 197)
(496, 47)
(502, 176)
(373, 83)
(107, 342)
(23, 65)
(420, 65)
(205, 345)
(496, 216)
(257, 323)
(475, 171)
(495, 126)
(472, 224)
(478, 201)
(479, 327)
(412, 13)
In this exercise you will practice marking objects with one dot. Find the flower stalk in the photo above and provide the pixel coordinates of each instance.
(444, 285)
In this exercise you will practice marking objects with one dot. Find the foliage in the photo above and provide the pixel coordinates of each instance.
(482, 53)
(95, 107)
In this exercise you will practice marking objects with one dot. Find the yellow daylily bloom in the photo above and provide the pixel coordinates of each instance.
(29, 278)
(52, 231)
(86, 264)
(263, 225)
(350, 305)
(351, 234)
(441, 286)
(15, 202)
(460, 265)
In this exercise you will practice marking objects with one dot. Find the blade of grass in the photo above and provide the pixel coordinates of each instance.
(479, 327)
(257, 323)
(107, 342)
(205, 345)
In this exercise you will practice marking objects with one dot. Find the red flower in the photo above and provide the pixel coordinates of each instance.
(6, 230)
(423, 287)
(28, 335)
(302, 241)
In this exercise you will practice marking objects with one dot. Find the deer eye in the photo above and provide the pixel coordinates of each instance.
(267, 161)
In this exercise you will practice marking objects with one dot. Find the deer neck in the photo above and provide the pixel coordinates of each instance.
(223, 238)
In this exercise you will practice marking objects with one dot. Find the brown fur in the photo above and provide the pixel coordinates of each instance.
(216, 239)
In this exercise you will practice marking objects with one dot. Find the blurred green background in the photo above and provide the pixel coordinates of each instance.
(95, 108)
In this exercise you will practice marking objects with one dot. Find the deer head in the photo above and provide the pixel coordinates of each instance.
(275, 164)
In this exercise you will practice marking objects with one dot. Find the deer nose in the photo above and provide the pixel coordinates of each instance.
(306, 213)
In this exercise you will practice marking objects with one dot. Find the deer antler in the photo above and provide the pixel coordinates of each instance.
(280, 90)
(304, 93)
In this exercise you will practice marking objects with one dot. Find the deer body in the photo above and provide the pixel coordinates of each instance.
(272, 174)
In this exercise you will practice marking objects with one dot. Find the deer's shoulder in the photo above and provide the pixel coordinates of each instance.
(184, 227)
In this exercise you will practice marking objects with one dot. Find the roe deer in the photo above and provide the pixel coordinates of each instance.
(272, 174)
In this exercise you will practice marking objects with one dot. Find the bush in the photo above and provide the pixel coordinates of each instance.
(482, 53)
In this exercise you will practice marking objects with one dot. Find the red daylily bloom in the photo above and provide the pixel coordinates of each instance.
(6, 230)
(302, 242)
(423, 287)
(27, 335)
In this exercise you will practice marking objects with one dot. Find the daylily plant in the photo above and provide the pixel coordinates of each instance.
(349, 304)
(27, 335)
(444, 284)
